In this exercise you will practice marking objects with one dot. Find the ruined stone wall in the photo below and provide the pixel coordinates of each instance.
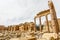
(2, 27)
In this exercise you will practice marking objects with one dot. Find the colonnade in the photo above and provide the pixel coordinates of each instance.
(41, 14)
(45, 13)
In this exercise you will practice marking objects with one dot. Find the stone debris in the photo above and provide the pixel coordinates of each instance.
(49, 35)
(27, 36)
(28, 30)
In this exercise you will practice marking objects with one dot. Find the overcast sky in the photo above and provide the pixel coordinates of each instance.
(17, 11)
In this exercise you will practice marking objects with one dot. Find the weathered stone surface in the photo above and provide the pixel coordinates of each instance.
(49, 35)
(32, 38)
(53, 17)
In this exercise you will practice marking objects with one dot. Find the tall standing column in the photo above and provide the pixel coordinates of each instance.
(47, 24)
(40, 24)
(53, 17)
(54, 20)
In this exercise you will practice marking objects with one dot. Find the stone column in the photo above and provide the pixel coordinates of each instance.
(54, 20)
(47, 24)
(14, 28)
(40, 24)
(11, 28)
(29, 28)
(8, 28)
(35, 24)
(53, 17)
(35, 28)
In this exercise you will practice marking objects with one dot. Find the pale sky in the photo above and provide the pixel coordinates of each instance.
(18, 11)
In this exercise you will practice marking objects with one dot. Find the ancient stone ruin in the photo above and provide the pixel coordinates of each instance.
(28, 30)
